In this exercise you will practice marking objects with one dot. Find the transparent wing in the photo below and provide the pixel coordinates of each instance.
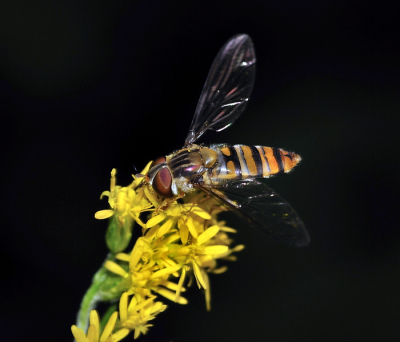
(227, 88)
(263, 208)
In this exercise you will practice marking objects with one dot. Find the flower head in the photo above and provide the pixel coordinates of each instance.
(135, 315)
(127, 201)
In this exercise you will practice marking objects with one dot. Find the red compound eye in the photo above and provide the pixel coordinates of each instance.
(162, 181)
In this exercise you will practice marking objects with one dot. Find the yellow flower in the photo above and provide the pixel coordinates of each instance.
(126, 201)
(93, 334)
(159, 253)
(135, 315)
(149, 268)
(181, 214)
(193, 253)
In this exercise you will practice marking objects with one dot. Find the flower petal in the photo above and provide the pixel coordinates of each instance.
(157, 307)
(155, 220)
(120, 334)
(199, 277)
(95, 321)
(200, 212)
(103, 214)
(170, 295)
(238, 248)
(109, 327)
(228, 230)
(123, 307)
(136, 253)
(165, 271)
(115, 268)
(136, 334)
(122, 257)
(215, 250)
(78, 334)
(172, 286)
(180, 284)
(184, 233)
(144, 303)
(207, 234)
(170, 239)
(151, 233)
(191, 226)
(164, 228)
(91, 334)
(220, 270)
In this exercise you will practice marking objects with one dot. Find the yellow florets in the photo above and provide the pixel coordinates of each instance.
(181, 236)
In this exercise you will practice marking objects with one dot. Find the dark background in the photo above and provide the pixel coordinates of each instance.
(86, 86)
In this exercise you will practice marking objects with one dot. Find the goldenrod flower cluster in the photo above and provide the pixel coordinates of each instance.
(181, 238)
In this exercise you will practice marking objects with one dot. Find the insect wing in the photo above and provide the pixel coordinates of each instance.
(263, 208)
(227, 88)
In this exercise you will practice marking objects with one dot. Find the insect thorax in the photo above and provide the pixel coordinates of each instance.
(186, 163)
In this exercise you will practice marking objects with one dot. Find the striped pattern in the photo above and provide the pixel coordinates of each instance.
(241, 162)
(185, 164)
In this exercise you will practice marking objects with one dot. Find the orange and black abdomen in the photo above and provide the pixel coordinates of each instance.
(241, 162)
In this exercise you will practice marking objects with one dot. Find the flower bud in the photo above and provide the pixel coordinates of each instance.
(119, 233)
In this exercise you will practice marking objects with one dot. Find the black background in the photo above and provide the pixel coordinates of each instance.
(86, 86)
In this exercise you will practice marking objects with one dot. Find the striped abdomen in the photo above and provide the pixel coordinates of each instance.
(241, 162)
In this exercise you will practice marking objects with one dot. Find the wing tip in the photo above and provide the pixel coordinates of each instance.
(303, 240)
(242, 35)
(240, 39)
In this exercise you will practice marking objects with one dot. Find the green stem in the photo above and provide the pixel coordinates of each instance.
(92, 296)
(107, 286)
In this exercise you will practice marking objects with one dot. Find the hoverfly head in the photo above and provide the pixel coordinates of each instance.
(160, 177)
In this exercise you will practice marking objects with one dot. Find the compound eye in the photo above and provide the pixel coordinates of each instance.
(162, 181)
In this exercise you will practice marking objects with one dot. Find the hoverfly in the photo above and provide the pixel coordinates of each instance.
(226, 172)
